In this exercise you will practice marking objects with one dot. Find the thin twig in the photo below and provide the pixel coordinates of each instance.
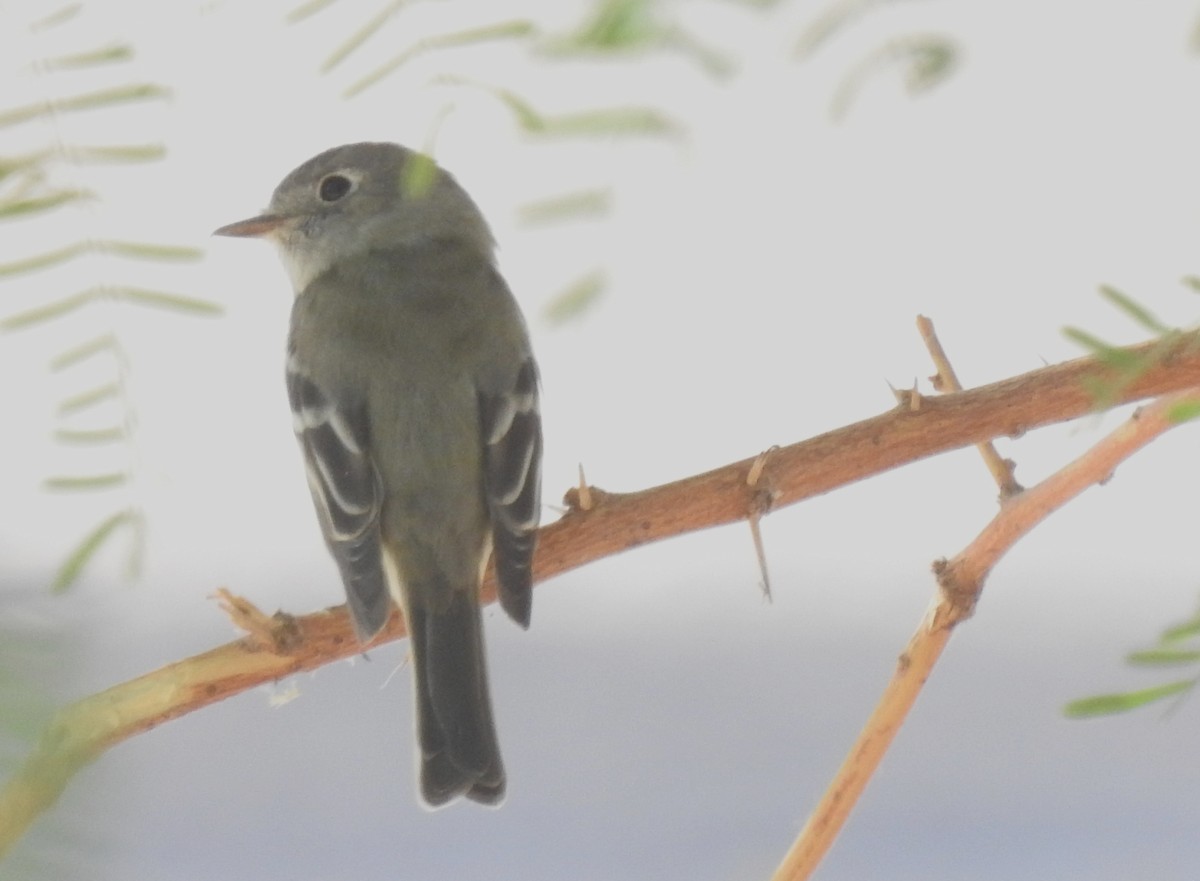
(960, 582)
(946, 380)
(761, 501)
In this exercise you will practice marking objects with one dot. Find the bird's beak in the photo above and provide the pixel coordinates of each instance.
(255, 227)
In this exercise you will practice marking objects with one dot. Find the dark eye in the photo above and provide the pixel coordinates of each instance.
(333, 187)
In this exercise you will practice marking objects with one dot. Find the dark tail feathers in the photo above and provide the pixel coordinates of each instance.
(459, 751)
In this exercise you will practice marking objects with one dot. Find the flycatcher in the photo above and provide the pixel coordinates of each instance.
(414, 396)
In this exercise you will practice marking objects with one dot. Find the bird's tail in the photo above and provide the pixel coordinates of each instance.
(459, 751)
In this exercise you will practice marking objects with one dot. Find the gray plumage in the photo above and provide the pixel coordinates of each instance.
(415, 400)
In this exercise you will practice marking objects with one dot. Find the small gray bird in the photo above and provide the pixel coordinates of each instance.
(414, 396)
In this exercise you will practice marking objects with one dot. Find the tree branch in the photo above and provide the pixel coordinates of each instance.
(917, 429)
(960, 583)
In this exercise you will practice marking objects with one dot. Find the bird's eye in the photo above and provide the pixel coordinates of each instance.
(333, 187)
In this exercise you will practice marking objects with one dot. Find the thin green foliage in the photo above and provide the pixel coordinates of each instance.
(924, 60)
(507, 30)
(73, 566)
(97, 100)
(567, 206)
(1127, 367)
(1177, 646)
(1111, 704)
(578, 297)
(30, 192)
(91, 58)
(101, 293)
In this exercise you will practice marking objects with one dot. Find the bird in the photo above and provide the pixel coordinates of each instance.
(415, 399)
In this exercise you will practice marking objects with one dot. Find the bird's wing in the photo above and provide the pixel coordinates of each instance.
(333, 435)
(512, 434)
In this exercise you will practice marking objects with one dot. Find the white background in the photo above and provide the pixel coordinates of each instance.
(659, 720)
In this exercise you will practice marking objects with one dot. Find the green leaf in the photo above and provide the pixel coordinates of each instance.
(89, 482)
(504, 30)
(609, 121)
(1109, 704)
(42, 261)
(1182, 631)
(57, 17)
(584, 203)
(10, 208)
(49, 311)
(1163, 657)
(304, 10)
(1184, 411)
(1134, 310)
(91, 436)
(86, 101)
(106, 55)
(118, 153)
(135, 250)
(138, 296)
(147, 251)
(577, 298)
(73, 566)
(618, 24)
(418, 175)
(363, 34)
(86, 399)
(932, 60)
(1114, 356)
(166, 300)
(104, 343)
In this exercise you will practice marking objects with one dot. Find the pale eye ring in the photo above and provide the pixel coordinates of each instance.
(334, 187)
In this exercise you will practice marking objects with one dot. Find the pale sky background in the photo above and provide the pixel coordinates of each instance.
(659, 720)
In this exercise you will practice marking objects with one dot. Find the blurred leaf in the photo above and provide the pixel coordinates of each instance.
(19, 207)
(585, 203)
(577, 298)
(118, 153)
(90, 482)
(42, 261)
(1184, 411)
(835, 17)
(617, 24)
(91, 436)
(59, 16)
(1192, 281)
(86, 399)
(136, 250)
(86, 101)
(594, 123)
(104, 343)
(931, 60)
(363, 34)
(1163, 657)
(167, 300)
(1113, 356)
(147, 251)
(1168, 652)
(1109, 704)
(48, 311)
(1134, 310)
(107, 55)
(138, 296)
(925, 59)
(504, 30)
(305, 10)
(1179, 632)
(73, 566)
(628, 26)
(418, 173)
